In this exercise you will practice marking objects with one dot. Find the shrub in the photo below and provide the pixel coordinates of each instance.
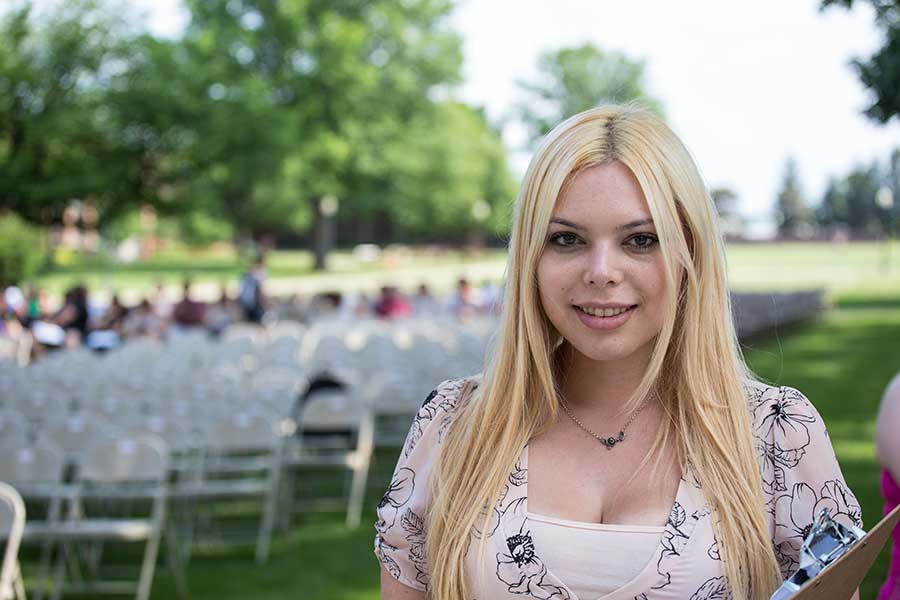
(21, 250)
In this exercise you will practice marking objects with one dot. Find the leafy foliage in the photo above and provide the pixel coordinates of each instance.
(575, 79)
(881, 71)
(21, 250)
(792, 211)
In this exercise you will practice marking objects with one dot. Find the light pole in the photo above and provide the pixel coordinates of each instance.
(884, 198)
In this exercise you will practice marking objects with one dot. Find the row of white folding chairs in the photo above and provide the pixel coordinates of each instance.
(113, 471)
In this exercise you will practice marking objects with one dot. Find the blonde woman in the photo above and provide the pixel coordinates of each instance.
(617, 446)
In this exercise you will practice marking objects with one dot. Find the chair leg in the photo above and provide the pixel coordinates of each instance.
(173, 558)
(43, 577)
(268, 518)
(357, 495)
(59, 571)
(18, 584)
(148, 566)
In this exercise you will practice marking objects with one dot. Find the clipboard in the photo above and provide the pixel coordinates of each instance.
(841, 578)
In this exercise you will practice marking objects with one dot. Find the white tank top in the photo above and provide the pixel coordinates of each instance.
(593, 559)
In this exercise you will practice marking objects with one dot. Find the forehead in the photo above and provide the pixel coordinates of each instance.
(603, 192)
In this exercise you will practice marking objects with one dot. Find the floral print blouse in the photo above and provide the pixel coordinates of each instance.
(800, 477)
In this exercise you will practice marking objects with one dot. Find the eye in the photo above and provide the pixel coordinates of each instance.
(643, 241)
(564, 239)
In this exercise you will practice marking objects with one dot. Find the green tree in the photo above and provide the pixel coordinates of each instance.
(833, 210)
(575, 79)
(881, 71)
(725, 200)
(791, 209)
(21, 250)
(863, 184)
(89, 109)
(451, 176)
(319, 89)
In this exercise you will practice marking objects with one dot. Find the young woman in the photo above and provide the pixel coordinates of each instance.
(617, 446)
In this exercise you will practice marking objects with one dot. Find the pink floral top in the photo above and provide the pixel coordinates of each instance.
(800, 477)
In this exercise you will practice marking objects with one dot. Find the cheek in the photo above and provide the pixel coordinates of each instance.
(554, 281)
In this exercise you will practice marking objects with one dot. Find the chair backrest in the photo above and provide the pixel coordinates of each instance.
(330, 409)
(41, 462)
(242, 431)
(126, 458)
(12, 524)
(177, 434)
(75, 432)
(13, 426)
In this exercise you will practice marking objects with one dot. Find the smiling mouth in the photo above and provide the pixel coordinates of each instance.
(605, 312)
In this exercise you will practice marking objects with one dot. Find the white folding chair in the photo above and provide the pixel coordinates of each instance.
(394, 399)
(121, 498)
(12, 524)
(335, 430)
(243, 459)
(36, 470)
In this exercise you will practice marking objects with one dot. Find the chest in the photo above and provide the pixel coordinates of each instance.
(573, 476)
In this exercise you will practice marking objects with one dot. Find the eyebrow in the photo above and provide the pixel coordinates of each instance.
(630, 225)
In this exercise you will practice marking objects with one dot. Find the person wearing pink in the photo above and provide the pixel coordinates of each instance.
(887, 451)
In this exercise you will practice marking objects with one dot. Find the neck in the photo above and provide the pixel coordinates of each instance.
(601, 389)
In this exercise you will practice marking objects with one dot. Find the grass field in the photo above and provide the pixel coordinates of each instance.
(841, 361)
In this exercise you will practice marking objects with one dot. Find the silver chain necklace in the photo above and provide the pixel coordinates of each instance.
(609, 442)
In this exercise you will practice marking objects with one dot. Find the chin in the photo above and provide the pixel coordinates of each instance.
(611, 352)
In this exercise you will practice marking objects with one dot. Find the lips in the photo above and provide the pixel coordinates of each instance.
(605, 312)
(618, 316)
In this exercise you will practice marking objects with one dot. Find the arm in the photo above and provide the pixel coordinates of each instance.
(887, 442)
(391, 589)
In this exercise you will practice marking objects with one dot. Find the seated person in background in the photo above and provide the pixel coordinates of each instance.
(463, 303)
(887, 451)
(424, 303)
(115, 315)
(189, 312)
(391, 304)
(143, 321)
(222, 314)
(74, 317)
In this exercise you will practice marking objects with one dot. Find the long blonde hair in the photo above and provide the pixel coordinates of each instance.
(696, 365)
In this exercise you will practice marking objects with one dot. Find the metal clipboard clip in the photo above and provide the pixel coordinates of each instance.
(826, 541)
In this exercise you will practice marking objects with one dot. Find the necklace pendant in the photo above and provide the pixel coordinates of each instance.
(612, 441)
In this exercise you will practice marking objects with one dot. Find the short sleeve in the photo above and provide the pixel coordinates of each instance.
(800, 471)
(400, 526)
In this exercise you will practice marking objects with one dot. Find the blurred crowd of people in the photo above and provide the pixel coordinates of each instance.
(30, 317)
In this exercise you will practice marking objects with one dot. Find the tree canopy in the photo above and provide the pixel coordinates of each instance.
(575, 79)
(881, 71)
(247, 120)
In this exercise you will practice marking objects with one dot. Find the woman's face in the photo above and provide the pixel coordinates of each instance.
(600, 276)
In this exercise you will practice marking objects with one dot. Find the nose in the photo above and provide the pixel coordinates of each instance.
(603, 267)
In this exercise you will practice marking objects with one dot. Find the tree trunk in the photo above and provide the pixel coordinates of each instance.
(323, 231)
